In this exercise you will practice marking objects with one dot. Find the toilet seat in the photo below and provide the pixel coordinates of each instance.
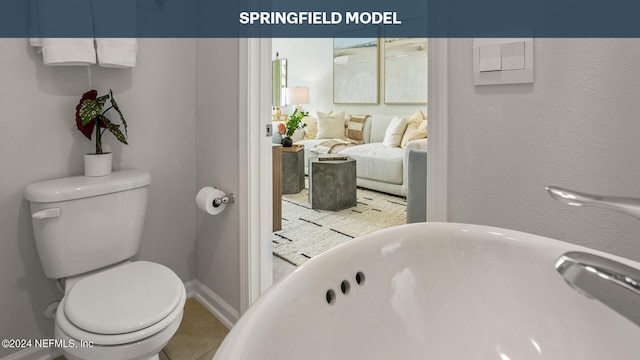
(121, 305)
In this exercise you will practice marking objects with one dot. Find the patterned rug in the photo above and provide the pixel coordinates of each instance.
(307, 232)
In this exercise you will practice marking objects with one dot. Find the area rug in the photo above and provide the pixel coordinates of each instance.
(307, 232)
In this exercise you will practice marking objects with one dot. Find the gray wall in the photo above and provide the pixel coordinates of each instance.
(38, 141)
(217, 164)
(577, 126)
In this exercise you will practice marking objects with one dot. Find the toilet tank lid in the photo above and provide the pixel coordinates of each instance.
(78, 187)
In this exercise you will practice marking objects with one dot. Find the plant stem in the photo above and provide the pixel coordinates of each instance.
(98, 137)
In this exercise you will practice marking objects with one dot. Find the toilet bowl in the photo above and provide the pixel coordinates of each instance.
(126, 312)
(87, 229)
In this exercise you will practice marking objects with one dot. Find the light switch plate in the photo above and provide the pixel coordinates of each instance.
(489, 58)
(512, 56)
(510, 72)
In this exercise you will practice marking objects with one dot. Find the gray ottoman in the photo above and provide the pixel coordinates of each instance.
(332, 184)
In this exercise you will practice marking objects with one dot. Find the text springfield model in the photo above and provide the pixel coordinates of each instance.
(318, 18)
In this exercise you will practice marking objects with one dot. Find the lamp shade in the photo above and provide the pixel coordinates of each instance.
(297, 95)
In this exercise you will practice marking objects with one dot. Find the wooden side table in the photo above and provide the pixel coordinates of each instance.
(292, 169)
(332, 184)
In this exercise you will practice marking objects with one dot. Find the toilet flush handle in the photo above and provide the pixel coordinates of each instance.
(46, 213)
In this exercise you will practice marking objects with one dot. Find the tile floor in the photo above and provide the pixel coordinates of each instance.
(198, 337)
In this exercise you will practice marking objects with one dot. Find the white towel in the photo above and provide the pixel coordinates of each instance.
(45, 20)
(115, 18)
(94, 18)
(73, 51)
(117, 52)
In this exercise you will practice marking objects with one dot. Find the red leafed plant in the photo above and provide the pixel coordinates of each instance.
(90, 115)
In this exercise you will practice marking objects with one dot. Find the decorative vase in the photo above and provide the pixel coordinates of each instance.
(276, 138)
(287, 142)
(97, 164)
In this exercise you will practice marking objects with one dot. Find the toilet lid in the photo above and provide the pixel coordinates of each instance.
(123, 299)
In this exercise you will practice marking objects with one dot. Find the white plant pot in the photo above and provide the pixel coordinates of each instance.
(98, 164)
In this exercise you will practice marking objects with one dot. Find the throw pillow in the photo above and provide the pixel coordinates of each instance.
(311, 130)
(331, 125)
(415, 122)
(298, 135)
(414, 133)
(355, 125)
(395, 130)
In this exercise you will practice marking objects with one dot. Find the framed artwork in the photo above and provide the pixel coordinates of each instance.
(355, 70)
(405, 70)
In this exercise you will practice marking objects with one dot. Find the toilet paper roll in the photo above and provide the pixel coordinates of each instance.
(205, 198)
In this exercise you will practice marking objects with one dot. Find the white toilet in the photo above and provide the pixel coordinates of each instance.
(86, 230)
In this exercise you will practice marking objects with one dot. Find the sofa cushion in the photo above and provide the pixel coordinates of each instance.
(395, 130)
(355, 127)
(379, 124)
(330, 126)
(377, 162)
(415, 131)
(311, 130)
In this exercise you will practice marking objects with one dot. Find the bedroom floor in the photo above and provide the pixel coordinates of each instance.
(198, 337)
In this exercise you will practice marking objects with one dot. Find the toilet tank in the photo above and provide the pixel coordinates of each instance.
(84, 223)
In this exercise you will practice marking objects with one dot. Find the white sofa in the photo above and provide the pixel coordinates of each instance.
(378, 167)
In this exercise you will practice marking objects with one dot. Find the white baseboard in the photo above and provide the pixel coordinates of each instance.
(194, 288)
(191, 287)
(215, 304)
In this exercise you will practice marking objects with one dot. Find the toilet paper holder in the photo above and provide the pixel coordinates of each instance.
(226, 199)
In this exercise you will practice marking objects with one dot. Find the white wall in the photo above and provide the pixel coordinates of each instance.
(310, 63)
(577, 126)
(38, 141)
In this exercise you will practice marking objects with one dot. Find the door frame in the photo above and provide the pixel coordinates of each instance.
(254, 147)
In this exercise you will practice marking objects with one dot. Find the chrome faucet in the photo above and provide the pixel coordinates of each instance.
(627, 205)
(612, 283)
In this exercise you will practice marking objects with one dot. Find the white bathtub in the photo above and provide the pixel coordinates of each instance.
(433, 291)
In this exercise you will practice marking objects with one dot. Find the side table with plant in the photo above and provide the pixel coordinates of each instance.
(90, 116)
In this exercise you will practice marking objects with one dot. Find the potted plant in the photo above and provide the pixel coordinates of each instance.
(91, 117)
(294, 123)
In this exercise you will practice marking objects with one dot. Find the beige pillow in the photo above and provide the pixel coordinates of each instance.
(414, 133)
(414, 123)
(331, 125)
(415, 120)
(355, 125)
(311, 130)
(395, 130)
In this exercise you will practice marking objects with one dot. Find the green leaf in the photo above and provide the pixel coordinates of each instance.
(117, 108)
(114, 129)
(90, 109)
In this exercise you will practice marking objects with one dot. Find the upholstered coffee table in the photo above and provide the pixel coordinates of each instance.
(332, 183)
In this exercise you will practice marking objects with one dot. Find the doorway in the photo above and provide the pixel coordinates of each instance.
(255, 107)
